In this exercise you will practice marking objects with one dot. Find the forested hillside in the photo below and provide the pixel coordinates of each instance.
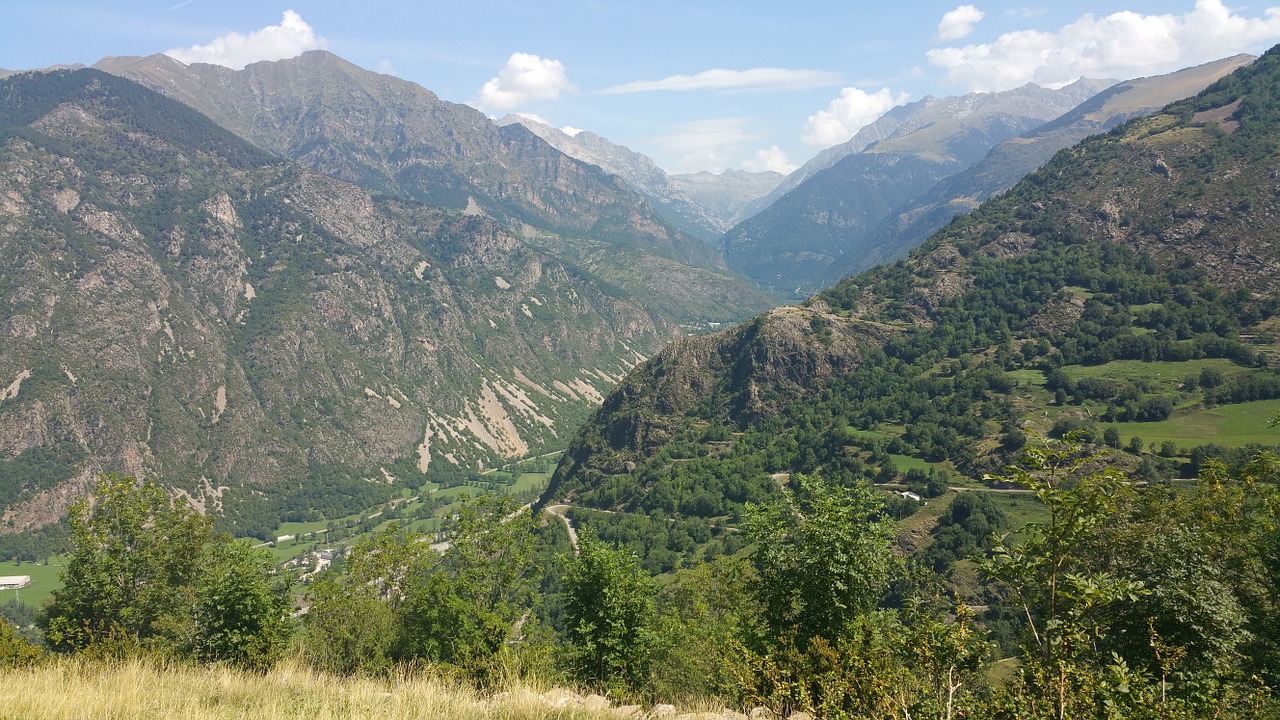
(1127, 290)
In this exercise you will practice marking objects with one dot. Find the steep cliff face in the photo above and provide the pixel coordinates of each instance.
(400, 140)
(176, 303)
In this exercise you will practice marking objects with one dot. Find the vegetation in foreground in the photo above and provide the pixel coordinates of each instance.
(72, 688)
(1125, 601)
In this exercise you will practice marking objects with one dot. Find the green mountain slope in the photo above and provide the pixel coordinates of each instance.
(271, 341)
(912, 223)
(1130, 283)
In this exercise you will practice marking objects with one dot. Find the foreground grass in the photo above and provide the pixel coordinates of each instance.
(74, 689)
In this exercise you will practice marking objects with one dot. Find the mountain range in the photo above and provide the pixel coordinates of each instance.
(179, 303)
(399, 139)
(704, 205)
(303, 284)
(1113, 275)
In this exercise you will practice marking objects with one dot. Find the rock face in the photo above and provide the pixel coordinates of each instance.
(395, 137)
(738, 376)
(400, 140)
(177, 303)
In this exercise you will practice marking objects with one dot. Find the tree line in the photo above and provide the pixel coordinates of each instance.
(1140, 602)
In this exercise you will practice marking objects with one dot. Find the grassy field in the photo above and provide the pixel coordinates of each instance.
(1228, 425)
(906, 462)
(68, 689)
(1167, 374)
(1026, 376)
(44, 580)
(1021, 508)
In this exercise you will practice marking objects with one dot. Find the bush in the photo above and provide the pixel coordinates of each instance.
(15, 650)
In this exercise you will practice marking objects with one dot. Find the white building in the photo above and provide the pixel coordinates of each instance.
(14, 582)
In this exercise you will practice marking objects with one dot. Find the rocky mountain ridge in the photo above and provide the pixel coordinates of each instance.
(400, 140)
(1013, 159)
(179, 304)
(819, 215)
(704, 205)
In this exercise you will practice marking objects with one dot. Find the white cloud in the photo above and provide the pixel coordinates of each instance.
(292, 37)
(1026, 13)
(771, 158)
(847, 114)
(386, 68)
(959, 22)
(570, 130)
(706, 144)
(720, 79)
(525, 78)
(1121, 45)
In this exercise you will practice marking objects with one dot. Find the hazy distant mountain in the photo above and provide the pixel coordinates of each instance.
(704, 205)
(727, 195)
(906, 119)
(790, 245)
(1015, 158)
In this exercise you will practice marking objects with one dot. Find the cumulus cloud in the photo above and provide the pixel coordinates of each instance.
(847, 114)
(292, 37)
(771, 158)
(525, 78)
(713, 144)
(959, 23)
(720, 79)
(1121, 45)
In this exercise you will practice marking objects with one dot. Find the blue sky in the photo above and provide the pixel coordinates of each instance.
(696, 85)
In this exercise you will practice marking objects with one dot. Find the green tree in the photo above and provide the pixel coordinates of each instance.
(351, 626)
(241, 617)
(1111, 436)
(609, 613)
(461, 609)
(1064, 597)
(702, 615)
(15, 650)
(823, 557)
(130, 578)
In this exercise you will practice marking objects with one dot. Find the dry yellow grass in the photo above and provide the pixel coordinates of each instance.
(75, 690)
